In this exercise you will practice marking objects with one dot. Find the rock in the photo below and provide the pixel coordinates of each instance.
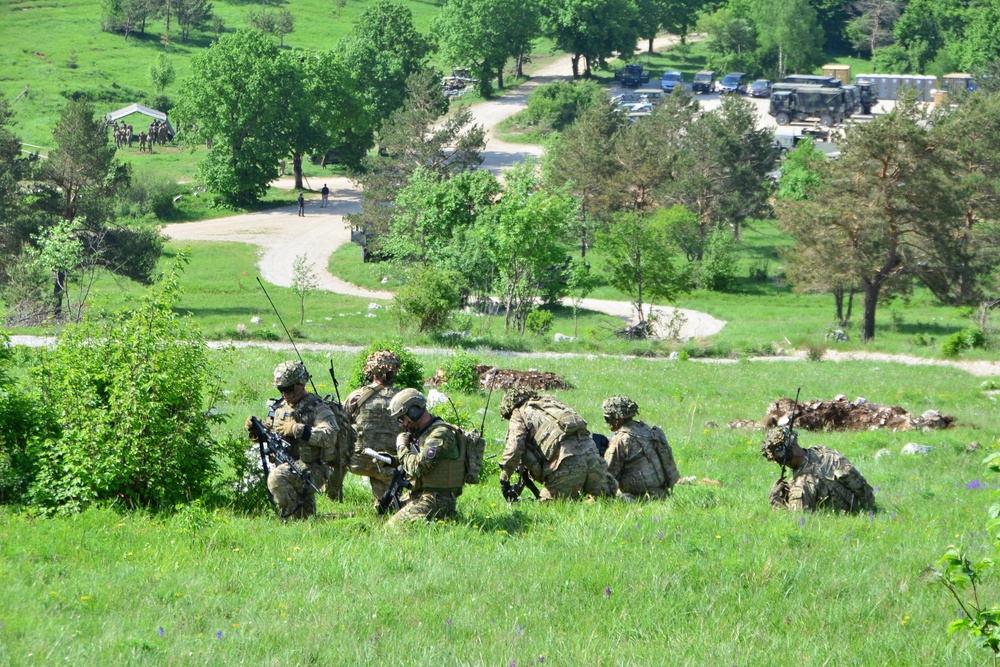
(674, 356)
(561, 337)
(882, 452)
(435, 398)
(374, 306)
(913, 449)
(691, 479)
(255, 320)
(860, 400)
(972, 446)
(931, 414)
(838, 335)
(455, 334)
(370, 315)
(840, 397)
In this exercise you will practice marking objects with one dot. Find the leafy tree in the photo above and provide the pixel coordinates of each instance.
(717, 271)
(591, 29)
(304, 282)
(484, 34)
(557, 105)
(384, 49)
(161, 73)
(732, 39)
(131, 398)
(123, 16)
(16, 168)
(982, 38)
(22, 422)
(683, 231)
(639, 260)
(262, 20)
(792, 29)
(892, 58)
(325, 112)
(871, 27)
(239, 92)
(525, 234)
(800, 172)
(284, 24)
(427, 299)
(193, 15)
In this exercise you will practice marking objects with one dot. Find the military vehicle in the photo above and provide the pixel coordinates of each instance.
(632, 75)
(704, 82)
(808, 102)
(816, 79)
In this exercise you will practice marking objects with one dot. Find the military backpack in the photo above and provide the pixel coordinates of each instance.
(346, 435)
(475, 448)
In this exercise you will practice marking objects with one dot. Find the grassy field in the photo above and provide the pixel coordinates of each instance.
(709, 576)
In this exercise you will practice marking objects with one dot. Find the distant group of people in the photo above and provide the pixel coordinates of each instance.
(124, 135)
(547, 443)
(325, 192)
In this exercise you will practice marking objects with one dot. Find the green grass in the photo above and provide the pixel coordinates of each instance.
(709, 576)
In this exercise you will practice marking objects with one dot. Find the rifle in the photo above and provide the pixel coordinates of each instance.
(790, 434)
(512, 492)
(273, 444)
(292, 340)
(399, 482)
(336, 385)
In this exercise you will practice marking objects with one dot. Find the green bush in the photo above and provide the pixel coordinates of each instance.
(557, 105)
(966, 339)
(411, 373)
(539, 321)
(23, 422)
(718, 267)
(131, 398)
(460, 373)
(427, 299)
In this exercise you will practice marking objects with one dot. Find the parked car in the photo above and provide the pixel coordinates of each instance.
(760, 88)
(704, 82)
(636, 107)
(670, 79)
(632, 75)
(734, 82)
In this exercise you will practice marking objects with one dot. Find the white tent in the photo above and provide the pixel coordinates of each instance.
(138, 108)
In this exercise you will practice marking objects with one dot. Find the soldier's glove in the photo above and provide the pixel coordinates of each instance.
(507, 491)
(250, 429)
(289, 430)
(403, 441)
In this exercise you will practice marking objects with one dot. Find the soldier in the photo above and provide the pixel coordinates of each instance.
(823, 477)
(368, 409)
(638, 456)
(554, 445)
(432, 453)
(309, 426)
(302, 206)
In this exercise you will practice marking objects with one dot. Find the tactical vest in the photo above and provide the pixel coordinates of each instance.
(369, 410)
(561, 421)
(303, 413)
(648, 442)
(448, 473)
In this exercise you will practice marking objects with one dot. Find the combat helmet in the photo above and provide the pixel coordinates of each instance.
(289, 373)
(403, 402)
(382, 365)
(515, 398)
(620, 407)
(776, 448)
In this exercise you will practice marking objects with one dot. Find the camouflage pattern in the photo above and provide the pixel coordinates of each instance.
(289, 373)
(431, 449)
(514, 398)
(620, 407)
(774, 444)
(368, 408)
(826, 479)
(566, 465)
(632, 460)
(403, 400)
(316, 452)
(382, 365)
(425, 507)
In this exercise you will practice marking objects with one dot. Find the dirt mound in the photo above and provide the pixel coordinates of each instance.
(841, 414)
(508, 377)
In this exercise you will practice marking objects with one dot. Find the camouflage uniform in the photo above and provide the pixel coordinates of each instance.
(437, 471)
(825, 479)
(632, 460)
(368, 408)
(289, 490)
(566, 463)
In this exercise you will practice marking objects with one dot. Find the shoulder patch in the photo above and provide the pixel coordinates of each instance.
(430, 453)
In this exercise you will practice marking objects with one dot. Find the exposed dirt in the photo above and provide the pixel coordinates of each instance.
(841, 414)
(508, 377)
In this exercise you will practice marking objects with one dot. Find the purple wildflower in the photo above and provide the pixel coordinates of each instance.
(513, 663)
(961, 614)
(448, 622)
(519, 629)
(802, 521)
(660, 535)
(541, 658)
(877, 489)
(607, 592)
(656, 517)
(871, 515)
(974, 484)
(218, 635)
(160, 630)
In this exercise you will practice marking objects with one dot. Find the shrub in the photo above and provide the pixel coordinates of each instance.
(427, 300)
(558, 104)
(131, 399)
(966, 339)
(411, 373)
(23, 422)
(539, 321)
(718, 267)
(460, 373)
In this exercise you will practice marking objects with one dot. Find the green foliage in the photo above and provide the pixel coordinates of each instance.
(539, 321)
(801, 171)
(592, 30)
(23, 423)
(427, 299)
(966, 339)
(161, 73)
(131, 399)
(892, 58)
(304, 281)
(555, 106)
(718, 268)
(411, 373)
(460, 373)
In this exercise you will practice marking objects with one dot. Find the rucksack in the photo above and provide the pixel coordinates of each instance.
(346, 435)
(666, 456)
(475, 448)
(561, 421)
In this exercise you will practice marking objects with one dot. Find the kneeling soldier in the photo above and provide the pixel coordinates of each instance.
(638, 456)
(432, 453)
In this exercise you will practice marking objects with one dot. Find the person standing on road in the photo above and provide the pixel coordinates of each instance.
(302, 206)
(326, 195)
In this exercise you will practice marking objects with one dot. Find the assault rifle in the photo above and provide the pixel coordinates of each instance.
(389, 499)
(512, 492)
(273, 444)
(790, 436)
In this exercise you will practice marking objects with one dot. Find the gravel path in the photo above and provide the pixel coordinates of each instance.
(282, 235)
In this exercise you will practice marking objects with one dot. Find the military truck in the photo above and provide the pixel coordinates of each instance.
(632, 75)
(867, 96)
(808, 102)
(815, 79)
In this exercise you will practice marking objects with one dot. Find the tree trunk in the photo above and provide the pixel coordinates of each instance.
(850, 306)
(57, 292)
(586, 71)
(650, 44)
(871, 290)
(520, 64)
(576, 65)
(500, 77)
(297, 169)
(838, 302)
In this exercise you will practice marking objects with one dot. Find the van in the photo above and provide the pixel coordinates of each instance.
(653, 95)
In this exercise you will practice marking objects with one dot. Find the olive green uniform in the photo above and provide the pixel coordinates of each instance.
(435, 464)
(633, 460)
(826, 479)
(295, 498)
(368, 409)
(566, 463)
